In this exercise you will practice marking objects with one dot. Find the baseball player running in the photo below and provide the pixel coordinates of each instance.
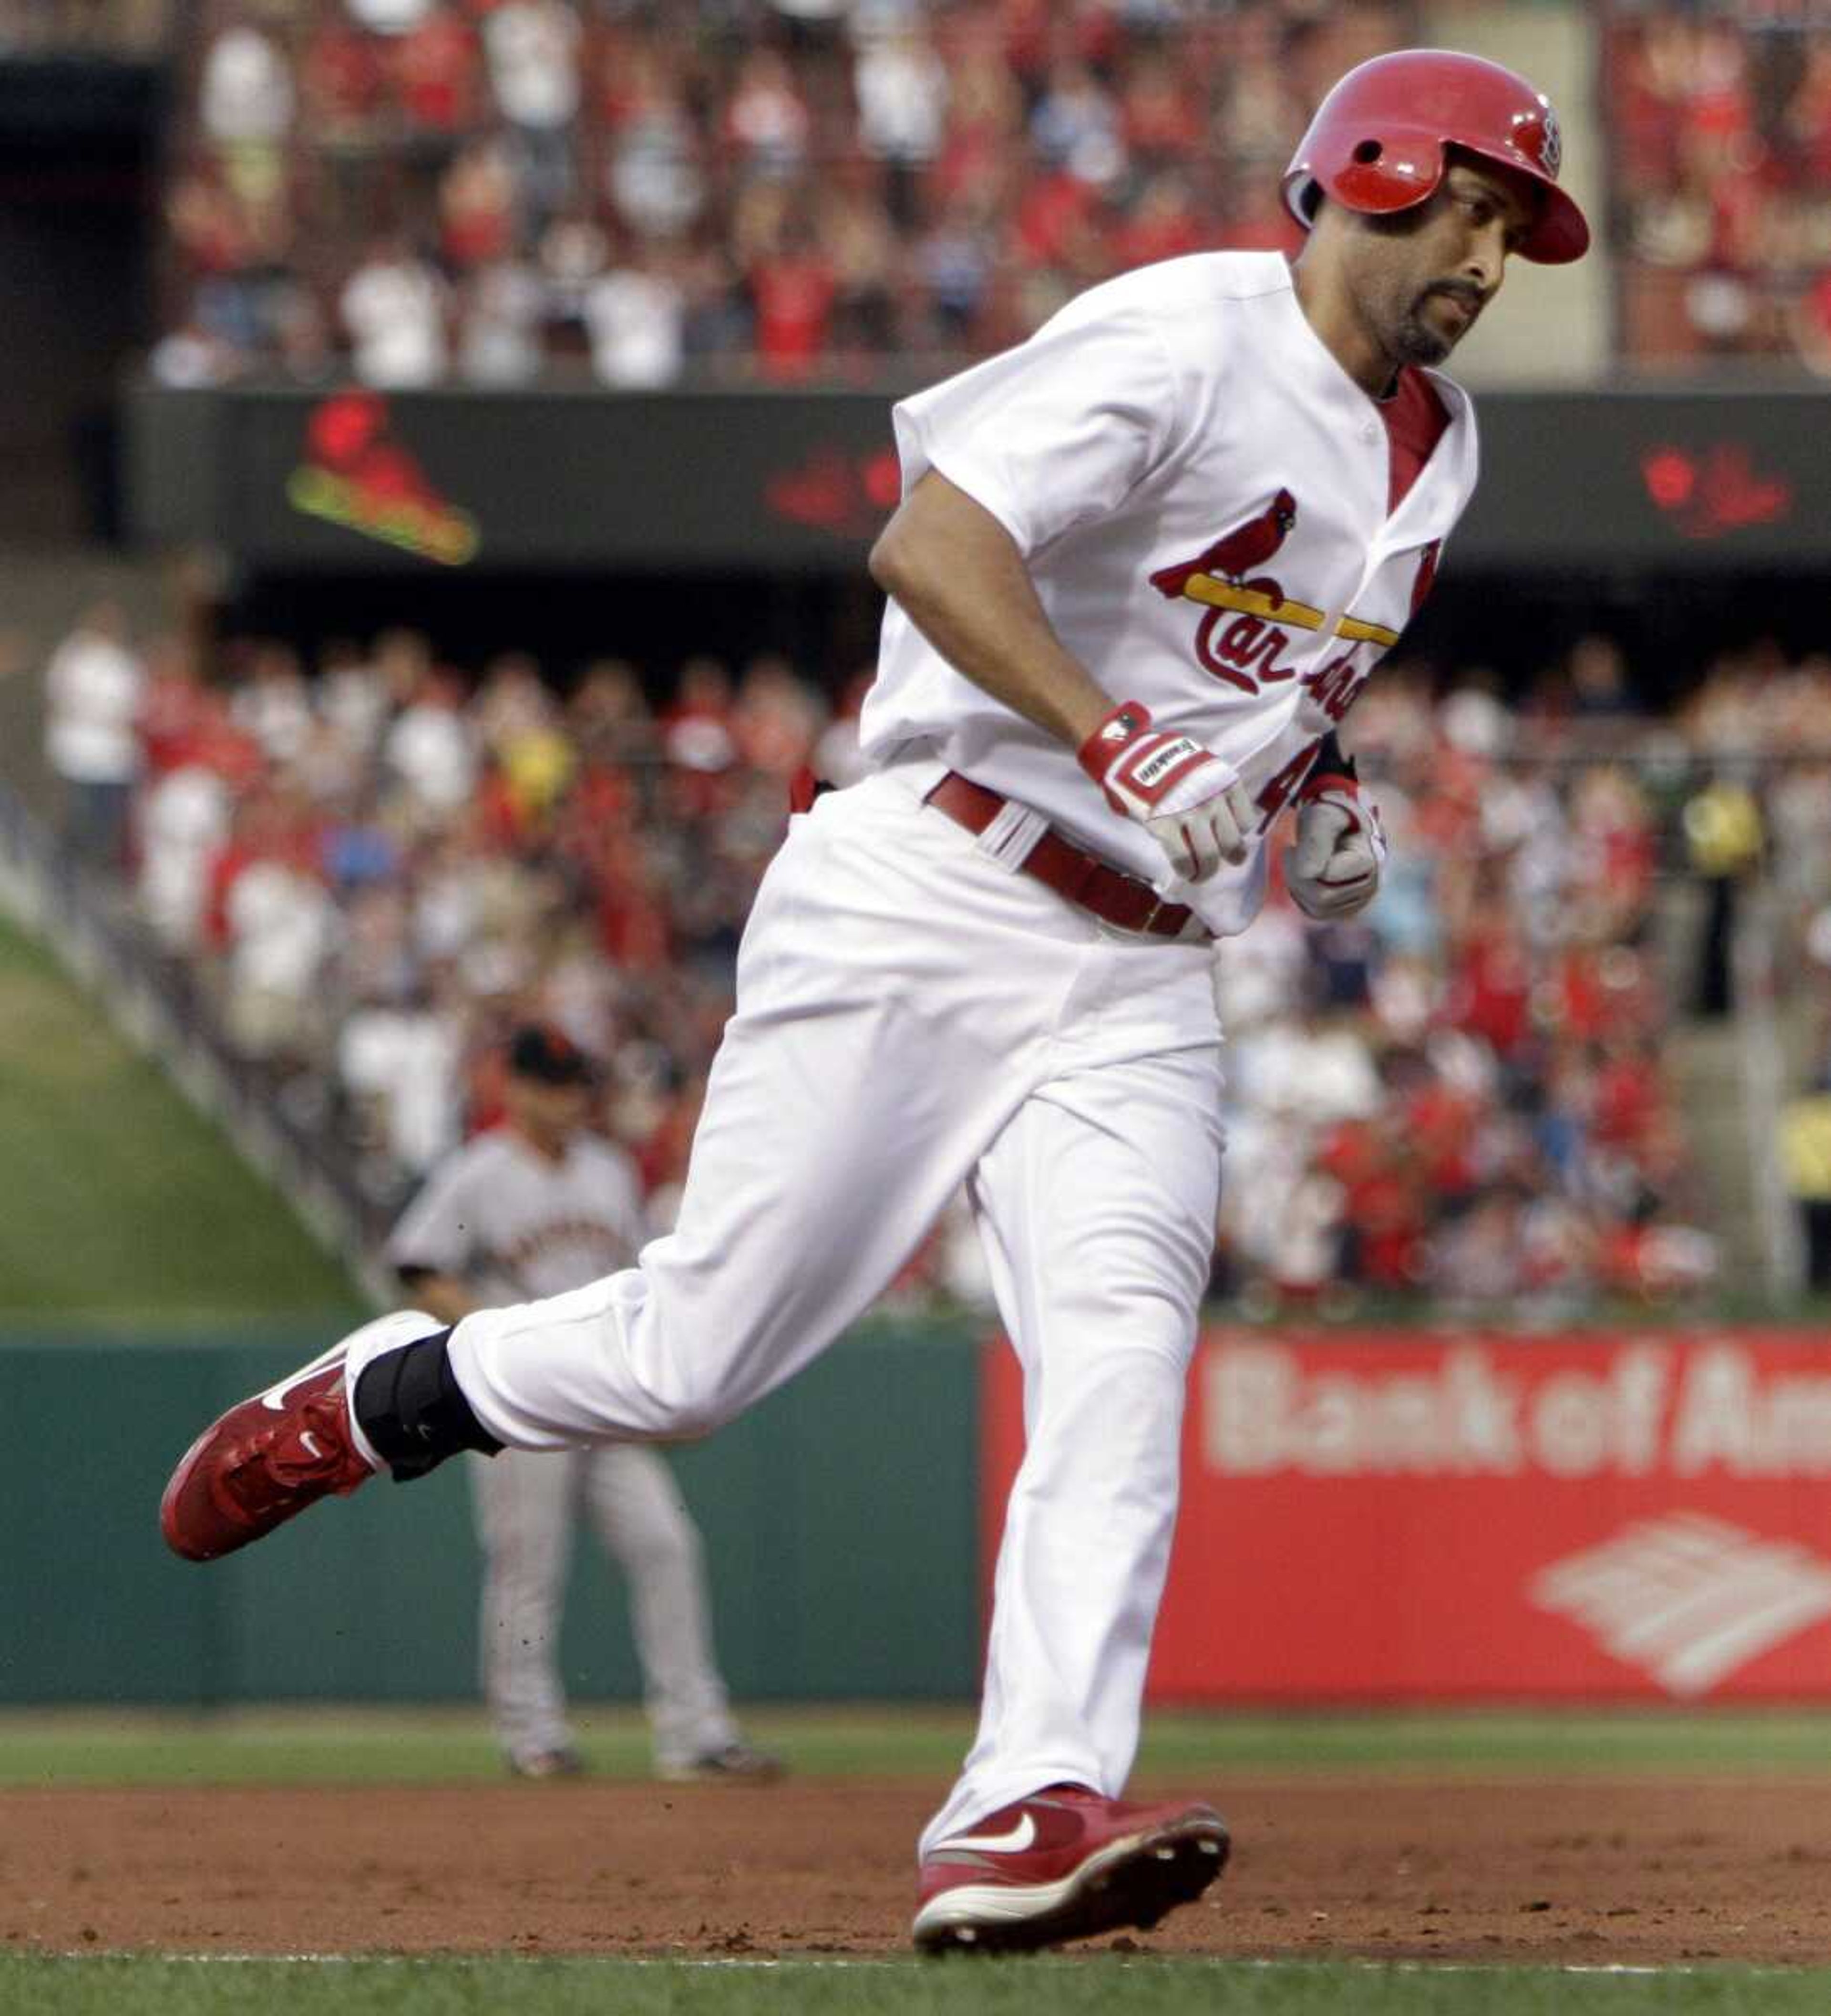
(535, 1208)
(1142, 565)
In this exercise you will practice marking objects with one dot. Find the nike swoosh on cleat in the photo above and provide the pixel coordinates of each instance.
(1013, 1843)
(276, 1396)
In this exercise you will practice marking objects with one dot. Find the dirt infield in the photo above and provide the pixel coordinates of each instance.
(1583, 1869)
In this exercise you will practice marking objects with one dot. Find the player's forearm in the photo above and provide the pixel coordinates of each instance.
(962, 582)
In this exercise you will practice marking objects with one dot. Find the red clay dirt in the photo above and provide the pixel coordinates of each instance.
(1588, 1869)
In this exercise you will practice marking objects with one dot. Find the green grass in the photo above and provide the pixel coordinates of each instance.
(124, 1207)
(426, 1746)
(107, 1986)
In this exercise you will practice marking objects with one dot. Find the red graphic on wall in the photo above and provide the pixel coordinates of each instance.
(355, 473)
(1710, 491)
(833, 491)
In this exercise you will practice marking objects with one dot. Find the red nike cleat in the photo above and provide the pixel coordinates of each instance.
(277, 1451)
(1064, 1864)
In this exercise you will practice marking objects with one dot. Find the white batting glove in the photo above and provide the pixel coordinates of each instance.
(1333, 871)
(1190, 801)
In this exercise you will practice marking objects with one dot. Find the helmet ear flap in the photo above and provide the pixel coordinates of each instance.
(1390, 172)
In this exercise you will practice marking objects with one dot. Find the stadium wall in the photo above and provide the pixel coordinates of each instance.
(1637, 1515)
(839, 1522)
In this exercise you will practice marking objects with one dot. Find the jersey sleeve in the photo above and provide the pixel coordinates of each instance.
(1059, 430)
(439, 1228)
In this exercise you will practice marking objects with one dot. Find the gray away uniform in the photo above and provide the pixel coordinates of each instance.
(515, 1227)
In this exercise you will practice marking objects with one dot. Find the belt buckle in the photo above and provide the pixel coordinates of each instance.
(1158, 907)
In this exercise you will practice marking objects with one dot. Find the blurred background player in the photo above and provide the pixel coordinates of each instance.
(537, 1206)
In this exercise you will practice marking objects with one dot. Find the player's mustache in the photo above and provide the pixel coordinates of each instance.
(1465, 291)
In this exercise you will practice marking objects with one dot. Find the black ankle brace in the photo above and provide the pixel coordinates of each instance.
(409, 1404)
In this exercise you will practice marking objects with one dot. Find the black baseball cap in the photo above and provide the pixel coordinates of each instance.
(539, 1051)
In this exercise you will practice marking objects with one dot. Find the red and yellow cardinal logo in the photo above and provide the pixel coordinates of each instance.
(355, 475)
(1235, 554)
(1247, 619)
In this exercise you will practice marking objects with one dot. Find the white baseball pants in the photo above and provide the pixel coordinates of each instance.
(911, 1016)
(527, 1506)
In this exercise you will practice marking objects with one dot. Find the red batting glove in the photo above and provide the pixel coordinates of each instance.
(1190, 801)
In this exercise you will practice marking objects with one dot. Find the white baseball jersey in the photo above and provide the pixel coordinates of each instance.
(513, 1225)
(1200, 491)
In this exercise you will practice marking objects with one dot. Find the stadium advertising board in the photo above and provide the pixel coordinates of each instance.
(343, 481)
(1378, 1516)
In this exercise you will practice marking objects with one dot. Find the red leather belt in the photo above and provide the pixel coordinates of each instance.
(1059, 865)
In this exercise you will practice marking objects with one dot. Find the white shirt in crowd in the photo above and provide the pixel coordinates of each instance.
(394, 310)
(901, 86)
(390, 17)
(407, 1060)
(652, 181)
(634, 320)
(282, 926)
(277, 712)
(533, 50)
(184, 819)
(246, 94)
(501, 343)
(432, 749)
(93, 689)
(354, 699)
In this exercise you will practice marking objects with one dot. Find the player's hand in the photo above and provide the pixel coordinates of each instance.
(1333, 871)
(1190, 801)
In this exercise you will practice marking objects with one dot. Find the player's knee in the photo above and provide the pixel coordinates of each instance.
(1134, 1377)
(662, 1547)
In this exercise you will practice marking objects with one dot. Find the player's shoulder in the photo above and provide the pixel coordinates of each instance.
(1197, 282)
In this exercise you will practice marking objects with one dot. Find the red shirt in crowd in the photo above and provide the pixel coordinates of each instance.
(794, 297)
(342, 73)
(436, 71)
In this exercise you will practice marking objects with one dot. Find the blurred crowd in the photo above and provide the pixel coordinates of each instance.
(421, 190)
(774, 188)
(376, 865)
(1471, 1088)
(138, 30)
(1719, 121)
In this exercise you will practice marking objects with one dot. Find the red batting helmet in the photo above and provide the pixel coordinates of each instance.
(1377, 141)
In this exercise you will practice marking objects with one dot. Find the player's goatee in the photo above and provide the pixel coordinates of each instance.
(1418, 342)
